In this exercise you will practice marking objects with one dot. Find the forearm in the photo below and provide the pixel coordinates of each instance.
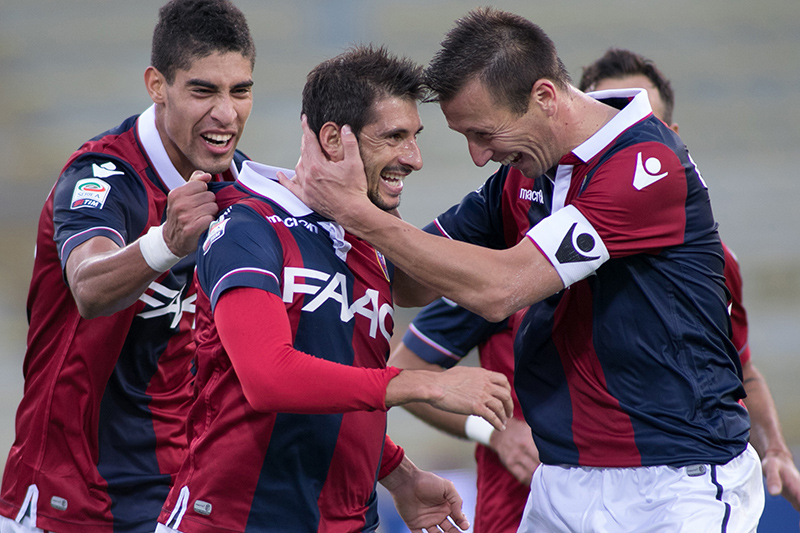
(766, 435)
(491, 283)
(275, 377)
(450, 423)
(105, 278)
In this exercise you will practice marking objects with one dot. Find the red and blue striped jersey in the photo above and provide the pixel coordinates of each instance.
(100, 429)
(281, 471)
(631, 365)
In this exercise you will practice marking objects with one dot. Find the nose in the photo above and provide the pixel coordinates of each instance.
(224, 110)
(411, 155)
(480, 156)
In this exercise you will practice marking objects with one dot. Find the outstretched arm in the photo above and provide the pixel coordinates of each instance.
(492, 283)
(256, 334)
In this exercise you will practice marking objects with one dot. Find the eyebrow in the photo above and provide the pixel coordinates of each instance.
(400, 130)
(208, 85)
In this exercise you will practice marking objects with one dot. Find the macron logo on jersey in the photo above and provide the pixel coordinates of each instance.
(296, 280)
(105, 170)
(90, 192)
(531, 195)
(647, 172)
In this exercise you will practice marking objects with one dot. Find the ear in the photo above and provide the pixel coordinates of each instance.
(156, 85)
(545, 96)
(330, 140)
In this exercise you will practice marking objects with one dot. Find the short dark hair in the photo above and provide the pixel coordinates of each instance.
(191, 29)
(620, 63)
(343, 89)
(507, 52)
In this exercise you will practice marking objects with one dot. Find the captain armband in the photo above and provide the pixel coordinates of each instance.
(570, 243)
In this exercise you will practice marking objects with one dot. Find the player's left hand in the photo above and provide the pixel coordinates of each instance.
(782, 476)
(425, 501)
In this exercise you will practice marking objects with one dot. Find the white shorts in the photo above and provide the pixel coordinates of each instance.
(24, 526)
(725, 498)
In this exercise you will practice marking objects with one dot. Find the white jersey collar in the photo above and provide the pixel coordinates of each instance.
(263, 180)
(637, 109)
(154, 148)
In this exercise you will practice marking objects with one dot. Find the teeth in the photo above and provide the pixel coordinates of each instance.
(509, 158)
(217, 138)
(393, 177)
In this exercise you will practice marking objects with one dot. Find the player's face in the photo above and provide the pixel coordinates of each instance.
(204, 112)
(389, 150)
(495, 133)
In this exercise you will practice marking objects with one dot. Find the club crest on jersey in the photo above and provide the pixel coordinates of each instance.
(215, 231)
(647, 172)
(90, 192)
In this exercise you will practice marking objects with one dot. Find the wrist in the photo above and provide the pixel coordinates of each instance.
(155, 251)
(478, 430)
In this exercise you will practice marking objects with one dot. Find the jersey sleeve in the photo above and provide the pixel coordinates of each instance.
(240, 249)
(392, 457)
(636, 199)
(739, 327)
(633, 202)
(98, 195)
(443, 332)
(255, 332)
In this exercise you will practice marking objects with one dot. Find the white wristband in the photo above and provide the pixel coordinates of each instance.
(478, 430)
(155, 250)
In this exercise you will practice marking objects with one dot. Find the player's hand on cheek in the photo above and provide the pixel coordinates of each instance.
(331, 188)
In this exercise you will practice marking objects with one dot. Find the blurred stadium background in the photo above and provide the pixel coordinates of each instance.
(70, 70)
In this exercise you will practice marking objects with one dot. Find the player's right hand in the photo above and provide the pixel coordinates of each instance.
(475, 391)
(190, 209)
(516, 450)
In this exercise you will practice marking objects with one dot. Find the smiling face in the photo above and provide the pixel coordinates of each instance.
(388, 147)
(201, 115)
(495, 133)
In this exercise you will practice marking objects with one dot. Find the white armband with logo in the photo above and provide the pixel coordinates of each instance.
(478, 429)
(570, 243)
(155, 250)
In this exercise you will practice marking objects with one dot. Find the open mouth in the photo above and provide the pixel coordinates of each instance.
(393, 179)
(216, 139)
(511, 158)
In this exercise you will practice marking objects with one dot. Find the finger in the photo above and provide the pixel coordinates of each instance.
(294, 186)
(490, 416)
(350, 144)
(199, 175)
(774, 484)
(508, 404)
